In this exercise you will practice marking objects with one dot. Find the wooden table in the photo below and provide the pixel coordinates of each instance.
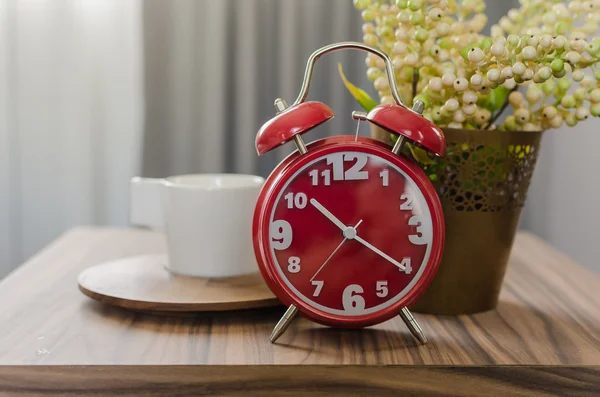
(544, 338)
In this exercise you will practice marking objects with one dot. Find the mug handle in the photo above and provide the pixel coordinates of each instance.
(145, 205)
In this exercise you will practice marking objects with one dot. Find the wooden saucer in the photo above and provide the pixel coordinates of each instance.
(143, 283)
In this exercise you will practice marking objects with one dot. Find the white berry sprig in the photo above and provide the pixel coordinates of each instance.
(467, 80)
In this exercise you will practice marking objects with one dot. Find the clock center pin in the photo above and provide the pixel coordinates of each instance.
(349, 232)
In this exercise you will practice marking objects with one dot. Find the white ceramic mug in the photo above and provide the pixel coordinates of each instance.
(207, 219)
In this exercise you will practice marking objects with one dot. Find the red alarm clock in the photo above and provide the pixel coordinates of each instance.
(348, 231)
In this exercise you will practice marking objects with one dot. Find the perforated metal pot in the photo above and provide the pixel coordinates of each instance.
(482, 183)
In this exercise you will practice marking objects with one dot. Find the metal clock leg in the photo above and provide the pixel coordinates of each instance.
(412, 325)
(283, 323)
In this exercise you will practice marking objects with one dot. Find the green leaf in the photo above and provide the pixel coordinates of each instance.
(420, 155)
(495, 99)
(361, 96)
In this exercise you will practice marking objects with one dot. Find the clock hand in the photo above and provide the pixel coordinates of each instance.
(328, 214)
(333, 253)
(378, 251)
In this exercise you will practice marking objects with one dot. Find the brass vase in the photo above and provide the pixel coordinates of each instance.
(482, 183)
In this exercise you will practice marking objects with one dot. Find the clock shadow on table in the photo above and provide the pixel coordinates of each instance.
(363, 339)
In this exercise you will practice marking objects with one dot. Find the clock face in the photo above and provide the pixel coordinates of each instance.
(350, 234)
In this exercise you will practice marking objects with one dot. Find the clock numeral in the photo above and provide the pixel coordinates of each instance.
(407, 266)
(314, 174)
(354, 173)
(352, 302)
(294, 264)
(385, 177)
(281, 234)
(337, 160)
(299, 200)
(423, 235)
(318, 287)
(407, 204)
(382, 289)
(325, 174)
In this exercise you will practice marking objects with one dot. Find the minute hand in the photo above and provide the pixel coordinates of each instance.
(378, 252)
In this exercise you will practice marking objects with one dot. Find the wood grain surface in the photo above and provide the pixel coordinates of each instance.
(548, 315)
(292, 380)
(143, 283)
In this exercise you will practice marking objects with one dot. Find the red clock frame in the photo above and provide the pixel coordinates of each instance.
(267, 200)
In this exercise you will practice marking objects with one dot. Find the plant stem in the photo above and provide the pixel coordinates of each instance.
(415, 81)
(502, 109)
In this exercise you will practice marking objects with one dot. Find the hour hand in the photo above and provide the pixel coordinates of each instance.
(328, 214)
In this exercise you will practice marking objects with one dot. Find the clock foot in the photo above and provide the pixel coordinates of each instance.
(283, 323)
(413, 325)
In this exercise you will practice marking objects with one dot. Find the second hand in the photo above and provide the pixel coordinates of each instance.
(333, 253)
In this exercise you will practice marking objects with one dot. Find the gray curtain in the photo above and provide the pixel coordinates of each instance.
(70, 118)
(214, 68)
